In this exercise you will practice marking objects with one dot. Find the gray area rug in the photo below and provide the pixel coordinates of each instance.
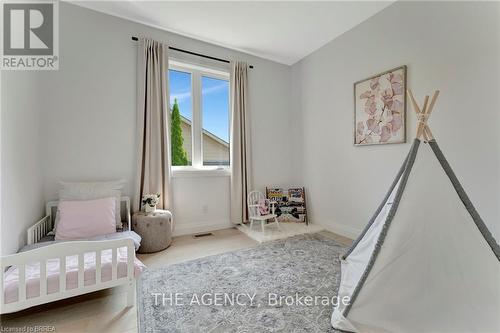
(261, 289)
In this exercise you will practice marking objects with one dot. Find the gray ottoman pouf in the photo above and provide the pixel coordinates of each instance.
(155, 230)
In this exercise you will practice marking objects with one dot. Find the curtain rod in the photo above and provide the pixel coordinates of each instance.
(194, 53)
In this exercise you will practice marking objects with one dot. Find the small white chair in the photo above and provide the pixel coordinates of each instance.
(254, 212)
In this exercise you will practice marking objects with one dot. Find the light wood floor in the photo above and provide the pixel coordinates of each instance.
(106, 311)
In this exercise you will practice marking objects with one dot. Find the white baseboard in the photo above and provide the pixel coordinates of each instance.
(197, 227)
(341, 229)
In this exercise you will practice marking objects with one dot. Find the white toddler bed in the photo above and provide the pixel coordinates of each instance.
(37, 277)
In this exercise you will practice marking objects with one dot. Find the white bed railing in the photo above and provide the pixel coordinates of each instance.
(39, 230)
(62, 251)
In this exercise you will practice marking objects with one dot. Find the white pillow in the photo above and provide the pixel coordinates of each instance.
(71, 191)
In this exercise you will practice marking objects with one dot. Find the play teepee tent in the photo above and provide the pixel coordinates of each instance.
(426, 261)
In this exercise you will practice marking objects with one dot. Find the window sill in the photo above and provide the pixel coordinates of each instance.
(190, 172)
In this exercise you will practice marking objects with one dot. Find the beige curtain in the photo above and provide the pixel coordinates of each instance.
(241, 175)
(153, 123)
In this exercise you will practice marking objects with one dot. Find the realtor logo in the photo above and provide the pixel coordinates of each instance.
(30, 35)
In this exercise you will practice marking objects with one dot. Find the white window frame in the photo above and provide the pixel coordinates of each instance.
(197, 72)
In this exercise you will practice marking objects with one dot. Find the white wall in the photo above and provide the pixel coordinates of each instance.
(201, 203)
(79, 122)
(453, 47)
(21, 158)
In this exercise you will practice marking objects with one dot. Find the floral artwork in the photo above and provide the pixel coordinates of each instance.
(380, 108)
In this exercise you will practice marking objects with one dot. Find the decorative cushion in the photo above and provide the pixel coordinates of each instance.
(86, 218)
(92, 190)
(263, 206)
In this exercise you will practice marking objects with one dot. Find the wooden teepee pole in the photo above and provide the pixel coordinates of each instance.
(423, 115)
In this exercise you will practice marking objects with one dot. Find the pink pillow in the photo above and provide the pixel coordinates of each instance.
(86, 218)
(264, 206)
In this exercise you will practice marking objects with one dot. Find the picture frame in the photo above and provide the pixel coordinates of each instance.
(380, 108)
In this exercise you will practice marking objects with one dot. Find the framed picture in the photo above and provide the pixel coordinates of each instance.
(290, 203)
(380, 108)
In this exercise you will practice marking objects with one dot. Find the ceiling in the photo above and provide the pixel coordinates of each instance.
(282, 31)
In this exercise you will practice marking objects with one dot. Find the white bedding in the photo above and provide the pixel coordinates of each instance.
(11, 276)
(44, 241)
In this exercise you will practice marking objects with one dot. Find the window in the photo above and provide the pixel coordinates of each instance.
(181, 117)
(215, 117)
(199, 101)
